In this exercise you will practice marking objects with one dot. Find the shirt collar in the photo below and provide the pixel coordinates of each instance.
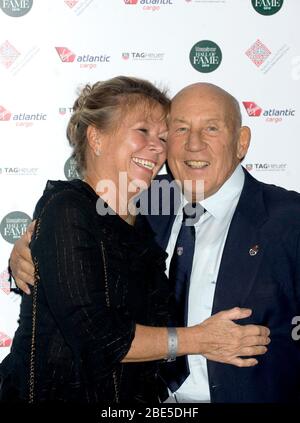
(221, 201)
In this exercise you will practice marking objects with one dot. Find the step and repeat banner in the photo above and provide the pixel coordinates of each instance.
(49, 48)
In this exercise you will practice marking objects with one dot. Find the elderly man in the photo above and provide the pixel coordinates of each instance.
(246, 251)
(243, 251)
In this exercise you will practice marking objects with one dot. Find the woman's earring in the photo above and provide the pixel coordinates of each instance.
(97, 148)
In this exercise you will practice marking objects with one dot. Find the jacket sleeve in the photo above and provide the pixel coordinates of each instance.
(71, 272)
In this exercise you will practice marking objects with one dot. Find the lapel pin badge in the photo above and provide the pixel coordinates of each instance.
(179, 251)
(254, 250)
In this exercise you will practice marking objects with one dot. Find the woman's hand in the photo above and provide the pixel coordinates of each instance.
(20, 261)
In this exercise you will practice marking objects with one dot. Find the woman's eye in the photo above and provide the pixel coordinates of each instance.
(181, 130)
(163, 139)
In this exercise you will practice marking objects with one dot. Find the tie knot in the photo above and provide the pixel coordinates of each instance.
(192, 213)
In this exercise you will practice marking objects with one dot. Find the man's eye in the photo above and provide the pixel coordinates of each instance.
(211, 128)
(143, 130)
(163, 139)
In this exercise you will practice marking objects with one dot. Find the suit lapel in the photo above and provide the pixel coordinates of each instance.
(162, 222)
(244, 248)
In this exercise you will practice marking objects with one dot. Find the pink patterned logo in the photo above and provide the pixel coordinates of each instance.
(8, 54)
(258, 53)
(4, 282)
(65, 54)
(5, 341)
(71, 3)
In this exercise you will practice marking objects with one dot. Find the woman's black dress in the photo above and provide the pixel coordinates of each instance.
(97, 278)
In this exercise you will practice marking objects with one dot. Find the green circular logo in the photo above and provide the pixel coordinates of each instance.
(267, 7)
(14, 225)
(70, 169)
(16, 8)
(205, 56)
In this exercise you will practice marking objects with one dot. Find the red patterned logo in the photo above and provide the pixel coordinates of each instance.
(5, 341)
(8, 54)
(71, 3)
(258, 53)
(125, 56)
(4, 282)
(4, 114)
(252, 108)
(65, 54)
(130, 1)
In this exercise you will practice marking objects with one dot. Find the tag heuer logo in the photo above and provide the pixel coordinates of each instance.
(125, 56)
(258, 53)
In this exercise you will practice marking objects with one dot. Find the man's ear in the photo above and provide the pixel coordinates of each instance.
(243, 142)
(93, 138)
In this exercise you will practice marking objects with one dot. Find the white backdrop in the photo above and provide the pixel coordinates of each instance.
(48, 48)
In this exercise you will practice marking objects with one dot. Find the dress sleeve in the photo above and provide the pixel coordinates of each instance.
(71, 272)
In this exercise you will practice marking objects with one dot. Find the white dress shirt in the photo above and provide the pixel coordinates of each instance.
(211, 232)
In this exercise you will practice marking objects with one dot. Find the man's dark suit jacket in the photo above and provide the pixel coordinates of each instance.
(266, 220)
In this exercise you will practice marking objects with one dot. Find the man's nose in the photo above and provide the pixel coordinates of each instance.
(195, 142)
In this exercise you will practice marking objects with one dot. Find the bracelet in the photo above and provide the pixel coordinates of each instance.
(172, 344)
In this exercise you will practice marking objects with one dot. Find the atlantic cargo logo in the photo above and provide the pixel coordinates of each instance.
(5, 115)
(258, 53)
(71, 3)
(16, 8)
(152, 5)
(22, 119)
(252, 108)
(267, 7)
(65, 54)
(5, 341)
(86, 61)
(4, 282)
(8, 54)
(272, 115)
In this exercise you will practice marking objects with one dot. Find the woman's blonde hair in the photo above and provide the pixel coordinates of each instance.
(102, 104)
